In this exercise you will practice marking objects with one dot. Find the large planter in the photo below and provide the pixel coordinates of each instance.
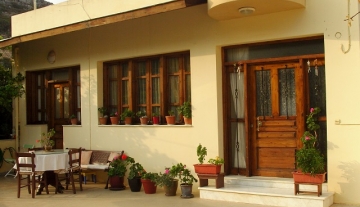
(149, 186)
(170, 120)
(186, 191)
(171, 191)
(135, 184)
(116, 183)
(114, 120)
(207, 168)
(300, 177)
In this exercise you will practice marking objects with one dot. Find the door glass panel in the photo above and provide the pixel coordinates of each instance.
(174, 89)
(155, 90)
(57, 102)
(237, 95)
(263, 93)
(142, 90)
(238, 139)
(172, 65)
(155, 67)
(317, 88)
(66, 103)
(125, 94)
(287, 95)
(188, 87)
(60, 75)
(113, 93)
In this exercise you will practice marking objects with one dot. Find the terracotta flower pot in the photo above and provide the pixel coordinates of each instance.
(73, 121)
(114, 120)
(188, 121)
(102, 120)
(171, 191)
(170, 120)
(128, 120)
(144, 120)
(207, 168)
(149, 186)
(116, 183)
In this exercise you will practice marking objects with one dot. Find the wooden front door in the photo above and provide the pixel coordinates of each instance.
(59, 110)
(276, 99)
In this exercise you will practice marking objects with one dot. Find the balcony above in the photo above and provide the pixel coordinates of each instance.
(230, 9)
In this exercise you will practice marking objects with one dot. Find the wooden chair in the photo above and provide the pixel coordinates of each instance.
(74, 169)
(27, 169)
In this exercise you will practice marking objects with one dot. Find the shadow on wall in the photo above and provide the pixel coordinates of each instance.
(349, 190)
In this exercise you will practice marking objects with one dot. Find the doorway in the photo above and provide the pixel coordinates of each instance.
(266, 101)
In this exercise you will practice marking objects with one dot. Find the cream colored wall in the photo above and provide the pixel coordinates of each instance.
(191, 29)
(72, 11)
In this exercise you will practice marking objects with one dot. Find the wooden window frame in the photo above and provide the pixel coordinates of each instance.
(133, 90)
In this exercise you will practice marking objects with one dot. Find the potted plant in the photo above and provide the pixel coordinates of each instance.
(46, 140)
(186, 181)
(73, 119)
(309, 160)
(114, 118)
(135, 172)
(116, 172)
(103, 117)
(142, 116)
(168, 180)
(127, 116)
(170, 120)
(155, 118)
(214, 165)
(148, 180)
(185, 110)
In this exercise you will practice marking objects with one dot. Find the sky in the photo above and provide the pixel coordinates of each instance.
(55, 1)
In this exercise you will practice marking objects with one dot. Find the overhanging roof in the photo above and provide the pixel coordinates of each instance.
(156, 9)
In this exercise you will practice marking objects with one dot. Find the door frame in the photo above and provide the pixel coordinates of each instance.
(301, 60)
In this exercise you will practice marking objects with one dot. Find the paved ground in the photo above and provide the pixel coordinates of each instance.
(96, 195)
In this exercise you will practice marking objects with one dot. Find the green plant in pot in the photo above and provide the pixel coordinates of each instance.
(127, 116)
(185, 110)
(135, 172)
(214, 165)
(143, 117)
(155, 118)
(170, 120)
(103, 117)
(117, 171)
(73, 119)
(148, 181)
(309, 159)
(186, 180)
(46, 140)
(168, 180)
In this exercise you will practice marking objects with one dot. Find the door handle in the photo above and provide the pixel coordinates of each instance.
(259, 124)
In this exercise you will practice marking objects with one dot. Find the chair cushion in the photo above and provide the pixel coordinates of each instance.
(113, 155)
(85, 157)
(99, 157)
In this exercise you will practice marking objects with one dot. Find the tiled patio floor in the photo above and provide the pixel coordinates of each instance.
(96, 195)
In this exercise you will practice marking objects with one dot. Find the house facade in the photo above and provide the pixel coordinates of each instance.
(251, 71)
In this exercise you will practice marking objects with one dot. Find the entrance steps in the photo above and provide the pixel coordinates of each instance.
(269, 191)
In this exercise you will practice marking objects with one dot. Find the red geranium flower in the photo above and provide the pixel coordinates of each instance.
(124, 156)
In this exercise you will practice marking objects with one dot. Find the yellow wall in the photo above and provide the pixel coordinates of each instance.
(192, 29)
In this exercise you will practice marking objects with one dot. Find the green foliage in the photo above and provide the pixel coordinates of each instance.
(127, 113)
(308, 158)
(102, 110)
(72, 116)
(46, 138)
(136, 169)
(216, 161)
(171, 112)
(150, 176)
(141, 114)
(184, 174)
(155, 114)
(10, 88)
(185, 109)
(201, 153)
(118, 166)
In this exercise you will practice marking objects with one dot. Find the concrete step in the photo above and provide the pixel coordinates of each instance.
(266, 191)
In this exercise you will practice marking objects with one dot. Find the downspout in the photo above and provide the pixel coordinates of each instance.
(17, 103)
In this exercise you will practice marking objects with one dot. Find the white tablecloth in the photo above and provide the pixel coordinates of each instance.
(49, 161)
